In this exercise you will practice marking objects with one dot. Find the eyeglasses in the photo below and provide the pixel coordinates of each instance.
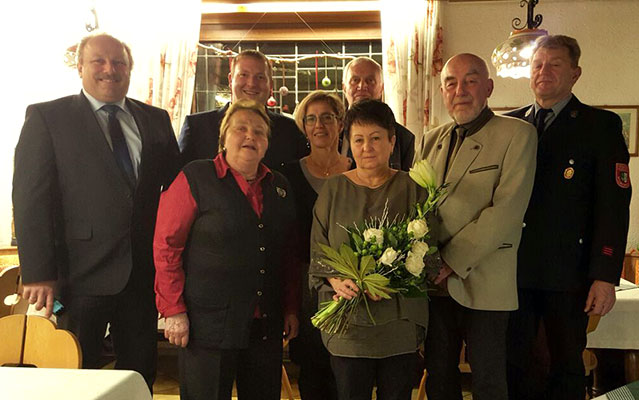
(325, 119)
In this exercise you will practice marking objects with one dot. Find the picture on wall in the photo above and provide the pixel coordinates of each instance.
(629, 118)
(630, 127)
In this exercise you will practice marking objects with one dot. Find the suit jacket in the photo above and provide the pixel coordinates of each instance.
(200, 135)
(490, 181)
(576, 224)
(77, 221)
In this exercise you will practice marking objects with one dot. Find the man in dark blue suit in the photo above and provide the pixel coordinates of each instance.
(575, 228)
(251, 77)
(89, 169)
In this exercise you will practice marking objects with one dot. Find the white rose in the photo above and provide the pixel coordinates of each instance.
(418, 227)
(389, 256)
(371, 233)
(420, 248)
(424, 174)
(414, 263)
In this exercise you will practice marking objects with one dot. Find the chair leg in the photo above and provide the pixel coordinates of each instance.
(286, 384)
(421, 392)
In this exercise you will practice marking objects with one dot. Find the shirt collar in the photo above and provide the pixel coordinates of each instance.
(222, 168)
(557, 107)
(97, 104)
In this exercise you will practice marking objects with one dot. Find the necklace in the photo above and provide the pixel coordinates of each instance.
(324, 170)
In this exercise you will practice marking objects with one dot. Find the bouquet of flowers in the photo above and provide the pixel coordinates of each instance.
(384, 256)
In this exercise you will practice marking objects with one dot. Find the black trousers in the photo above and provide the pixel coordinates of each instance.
(316, 380)
(565, 325)
(133, 321)
(394, 377)
(485, 335)
(208, 373)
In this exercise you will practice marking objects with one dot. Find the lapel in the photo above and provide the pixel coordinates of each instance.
(142, 121)
(565, 120)
(437, 158)
(98, 145)
(530, 114)
(469, 150)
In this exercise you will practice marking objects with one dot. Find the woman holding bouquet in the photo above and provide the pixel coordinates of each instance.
(320, 117)
(225, 281)
(382, 352)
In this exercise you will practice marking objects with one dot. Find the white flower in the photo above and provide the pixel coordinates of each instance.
(418, 227)
(414, 263)
(420, 248)
(389, 256)
(371, 233)
(424, 174)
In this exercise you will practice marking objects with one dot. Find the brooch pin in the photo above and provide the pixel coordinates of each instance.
(281, 192)
(569, 172)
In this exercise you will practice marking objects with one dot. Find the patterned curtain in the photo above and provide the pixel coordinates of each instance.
(412, 47)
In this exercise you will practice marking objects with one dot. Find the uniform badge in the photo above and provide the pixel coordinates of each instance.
(569, 173)
(622, 175)
(281, 192)
(574, 113)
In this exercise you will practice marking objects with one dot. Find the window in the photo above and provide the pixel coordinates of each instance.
(211, 81)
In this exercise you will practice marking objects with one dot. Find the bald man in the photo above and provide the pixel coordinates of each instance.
(489, 163)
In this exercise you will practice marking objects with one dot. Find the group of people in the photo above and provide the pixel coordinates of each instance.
(222, 229)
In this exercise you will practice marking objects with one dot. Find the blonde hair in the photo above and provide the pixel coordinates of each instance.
(329, 98)
(239, 105)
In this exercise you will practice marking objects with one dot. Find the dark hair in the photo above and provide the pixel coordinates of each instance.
(558, 42)
(369, 112)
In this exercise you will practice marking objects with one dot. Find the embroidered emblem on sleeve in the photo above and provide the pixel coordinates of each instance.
(622, 175)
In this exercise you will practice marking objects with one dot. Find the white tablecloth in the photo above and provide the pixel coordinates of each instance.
(619, 329)
(71, 384)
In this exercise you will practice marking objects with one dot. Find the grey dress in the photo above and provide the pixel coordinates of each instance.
(400, 322)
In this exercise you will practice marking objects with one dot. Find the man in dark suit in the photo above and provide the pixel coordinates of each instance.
(363, 80)
(574, 235)
(88, 173)
(251, 77)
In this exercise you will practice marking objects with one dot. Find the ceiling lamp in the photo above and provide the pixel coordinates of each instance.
(511, 58)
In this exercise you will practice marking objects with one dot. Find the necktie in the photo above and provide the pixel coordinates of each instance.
(540, 120)
(456, 138)
(120, 149)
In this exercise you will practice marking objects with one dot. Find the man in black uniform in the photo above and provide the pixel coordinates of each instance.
(575, 228)
(251, 77)
(363, 80)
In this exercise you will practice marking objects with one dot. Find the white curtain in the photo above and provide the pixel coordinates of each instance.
(412, 47)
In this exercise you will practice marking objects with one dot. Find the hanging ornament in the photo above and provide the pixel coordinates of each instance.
(285, 108)
(271, 102)
(326, 81)
(283, 89)
(336, 79)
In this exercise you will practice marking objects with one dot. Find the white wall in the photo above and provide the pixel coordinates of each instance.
(607, 31)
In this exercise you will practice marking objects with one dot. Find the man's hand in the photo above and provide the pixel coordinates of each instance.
(291, 326)
(601, 298)
(343, 288)
(444, 273)
(40, 294)
(177, 329)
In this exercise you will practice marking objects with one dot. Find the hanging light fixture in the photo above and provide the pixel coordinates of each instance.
(511, 58)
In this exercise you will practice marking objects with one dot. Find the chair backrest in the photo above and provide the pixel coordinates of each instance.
(33, 340)
(9, 278)
(593, 321)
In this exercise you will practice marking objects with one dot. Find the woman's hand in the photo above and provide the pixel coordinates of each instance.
(177, 329)
(374, 298)
(345, 288)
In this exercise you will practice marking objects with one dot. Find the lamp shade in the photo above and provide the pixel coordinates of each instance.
(511, 58)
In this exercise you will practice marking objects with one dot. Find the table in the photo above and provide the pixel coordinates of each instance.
(619, 329)
(71, 384)
(627, 392)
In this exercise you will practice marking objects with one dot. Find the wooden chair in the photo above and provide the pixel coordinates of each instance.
(286, 384)
(34, 341)
(464, 367)
(9, 278)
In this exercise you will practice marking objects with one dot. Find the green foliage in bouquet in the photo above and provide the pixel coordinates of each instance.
(384, 257)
